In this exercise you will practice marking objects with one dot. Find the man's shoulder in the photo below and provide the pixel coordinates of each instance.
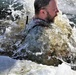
(37, 26)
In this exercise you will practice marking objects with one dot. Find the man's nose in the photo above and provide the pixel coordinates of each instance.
(57, 10)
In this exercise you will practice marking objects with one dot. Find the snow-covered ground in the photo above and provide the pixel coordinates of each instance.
(9, 66)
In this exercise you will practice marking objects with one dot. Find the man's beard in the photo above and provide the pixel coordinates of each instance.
(49, 19)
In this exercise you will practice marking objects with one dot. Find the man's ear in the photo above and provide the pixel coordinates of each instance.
(42, 11)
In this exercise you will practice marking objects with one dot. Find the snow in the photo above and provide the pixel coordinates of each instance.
(9, 66)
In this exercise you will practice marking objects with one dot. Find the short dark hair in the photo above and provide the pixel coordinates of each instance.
(38, 4)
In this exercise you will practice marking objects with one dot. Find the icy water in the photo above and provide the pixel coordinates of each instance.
(16, 13)
(68, 7)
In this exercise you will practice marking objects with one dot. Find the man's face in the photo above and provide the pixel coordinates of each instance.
(51, 10)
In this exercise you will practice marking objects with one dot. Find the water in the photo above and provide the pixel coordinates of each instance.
(69, 8)
(14, 21)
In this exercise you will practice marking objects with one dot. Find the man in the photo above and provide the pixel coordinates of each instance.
(37, 42)
(46, 10)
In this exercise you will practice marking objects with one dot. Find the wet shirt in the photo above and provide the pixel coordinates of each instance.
(37, 36)
(37, 45)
